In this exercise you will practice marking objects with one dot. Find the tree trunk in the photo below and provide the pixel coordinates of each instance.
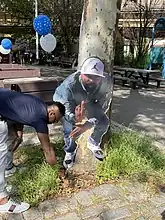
(97, 31)
(97, 35)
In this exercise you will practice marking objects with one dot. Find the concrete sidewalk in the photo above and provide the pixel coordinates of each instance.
(141, 109)
(126, 201)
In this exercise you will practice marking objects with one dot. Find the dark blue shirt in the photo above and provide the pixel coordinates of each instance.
(24, 109)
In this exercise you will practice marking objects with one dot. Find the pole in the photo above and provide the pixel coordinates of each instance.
(37, 38)
(152, 43)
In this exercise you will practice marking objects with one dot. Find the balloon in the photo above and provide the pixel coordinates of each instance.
(4, 51)
(6, 44)
(48, 43)
(42, 25)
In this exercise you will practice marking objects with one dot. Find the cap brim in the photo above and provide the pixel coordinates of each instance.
(94, 74)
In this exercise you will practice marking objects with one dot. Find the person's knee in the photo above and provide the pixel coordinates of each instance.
(67, 128)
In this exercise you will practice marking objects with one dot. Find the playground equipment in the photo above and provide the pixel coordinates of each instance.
(157, 52)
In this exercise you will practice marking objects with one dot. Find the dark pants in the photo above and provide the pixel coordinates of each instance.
(93, 111)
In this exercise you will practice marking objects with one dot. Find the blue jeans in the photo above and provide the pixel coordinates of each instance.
(94, 111)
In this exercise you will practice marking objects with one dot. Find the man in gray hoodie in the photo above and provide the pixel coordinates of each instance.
(91, 89)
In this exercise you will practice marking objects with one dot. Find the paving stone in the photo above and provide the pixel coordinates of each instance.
(106, 191)
(136, 197)
(15, 217)
(47, 209)
(120, 213)
(146, 210)
(33, 214)
(140, 208)
(84, 198)
(141, 218)
(93, 211)
(114, 204)
(73, 203)
(158, 200)
(127, 187)
(97, 218)
(61, 205)
(70, 216)
(159, 210)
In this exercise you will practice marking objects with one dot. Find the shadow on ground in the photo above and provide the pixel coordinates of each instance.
(142, 109)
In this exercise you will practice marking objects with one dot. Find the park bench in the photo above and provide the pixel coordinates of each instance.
(157, 79)
(7, 65)
(66, 61)
(21, 73)
(118, 72)
(29, 81)
(14, 69)
(42, 87)
(132, 82)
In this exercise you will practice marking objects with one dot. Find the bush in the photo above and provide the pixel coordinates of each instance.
(137, 62)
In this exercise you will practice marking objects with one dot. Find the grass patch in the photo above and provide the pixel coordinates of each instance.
(129, 155)
(132, 155)
(39, 180)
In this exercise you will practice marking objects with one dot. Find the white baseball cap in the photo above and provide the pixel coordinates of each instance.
(93, 66)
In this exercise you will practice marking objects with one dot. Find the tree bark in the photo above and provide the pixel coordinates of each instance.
(97, 31)
(97, 38)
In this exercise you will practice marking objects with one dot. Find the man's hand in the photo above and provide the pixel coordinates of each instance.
(47, 148)
(50, 156)
(80, 129)
(15, 144)
(18, 133)
(80, 112)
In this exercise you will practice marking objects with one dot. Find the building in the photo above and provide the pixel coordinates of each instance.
(137, 18)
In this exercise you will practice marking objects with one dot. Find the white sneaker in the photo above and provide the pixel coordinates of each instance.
(96, 149)
(11, 171)
(69, 160)
(14, 207)
(12, 190)
(18, 168)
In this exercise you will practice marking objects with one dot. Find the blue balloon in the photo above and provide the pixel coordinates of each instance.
(6, 44)
(42, 25)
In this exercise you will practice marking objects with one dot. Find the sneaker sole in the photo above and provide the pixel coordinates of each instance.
(99, 157)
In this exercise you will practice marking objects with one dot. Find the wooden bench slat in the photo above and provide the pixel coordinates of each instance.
(10, 65)
(15, 69)
(157, 79)
(32, 85)
(35, 86)
(132, 82)
(19, 74)
(126, 78)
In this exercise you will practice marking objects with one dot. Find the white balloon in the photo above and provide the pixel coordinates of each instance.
(4, 51)
(48, 43)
